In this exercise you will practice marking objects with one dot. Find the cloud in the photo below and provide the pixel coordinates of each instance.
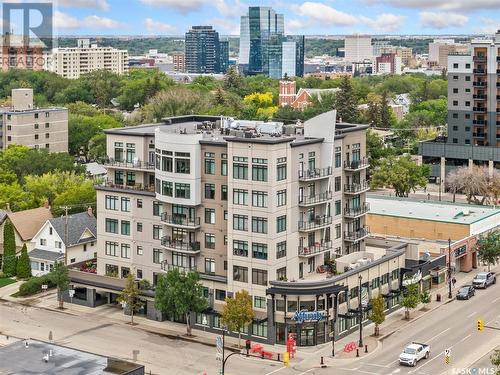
(442, 20)
(234, 9)
(93, 4)
(385, 22)
(456, 5)
(182, 6)
(295, 25)
(225, 26)
(65, 21)
(319, 12)
(156, 27)
(489, 25)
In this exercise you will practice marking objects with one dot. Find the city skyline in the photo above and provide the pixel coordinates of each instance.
(167, 17)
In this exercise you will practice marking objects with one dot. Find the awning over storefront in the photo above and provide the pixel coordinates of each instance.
(313, 291)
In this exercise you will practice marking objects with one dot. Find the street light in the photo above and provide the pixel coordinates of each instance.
(449, 268)
(360, 307)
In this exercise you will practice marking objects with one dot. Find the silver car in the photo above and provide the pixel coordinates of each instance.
(484, 280)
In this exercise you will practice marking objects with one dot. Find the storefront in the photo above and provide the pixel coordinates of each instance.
(463, 254)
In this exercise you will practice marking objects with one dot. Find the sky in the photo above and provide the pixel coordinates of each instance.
(332, 17)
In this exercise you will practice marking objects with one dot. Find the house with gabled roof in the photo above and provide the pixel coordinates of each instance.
(71, 240)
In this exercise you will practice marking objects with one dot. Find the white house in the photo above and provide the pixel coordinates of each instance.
(71, 241)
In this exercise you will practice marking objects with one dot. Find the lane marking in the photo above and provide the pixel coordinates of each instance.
(439, 334)
(357, 370)
(495, 300)
(274, 371)
(468, 316)
(305, 372)
(374, 364)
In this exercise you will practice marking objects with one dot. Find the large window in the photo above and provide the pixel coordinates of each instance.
(209, 163)
(259, 329)
(125, 227)
(166, 163)
(240, 222)
(209, 241)
(259, 172)
(209, 191)
(281, 169)
(182, 190)
(240, 171)
(259, 198)
(337, 183)
(111, 225)
(259, 302)
(223, 167)
(166, 188)
(125, 251)
(240, 248)
(240, 196)
(281, 274)
(156, 208)
(209, 265)
(259, 224)
(259, 277)
(130, 152)
(119, 151)
(281, 224)
(125, 206)
(157, 256)
(240, 274)
(259, 250)
(281, 249)
(156, 232)
(182, 163)
(223, 192)
(111, 202)
(111, 248)
(210, 215)
(281, 198)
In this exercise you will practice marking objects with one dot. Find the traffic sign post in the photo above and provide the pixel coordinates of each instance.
(218, 344)
(447, 356)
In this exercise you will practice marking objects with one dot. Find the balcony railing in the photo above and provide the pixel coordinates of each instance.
(168, 242)
(317, 222)
(479, 84)
(479, 122)
(480, 97)
(315, 199)
(353, 212)
(479, 109)
(136, 187)
(181, 221)
(183, 269)
(355, 165)
(356, 188)
(316, 173)
(356, 235)
(131, 165)
(479, 71)
(318, 247)
(479, 58)
(479, 135)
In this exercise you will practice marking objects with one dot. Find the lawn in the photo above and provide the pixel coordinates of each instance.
(6, 281)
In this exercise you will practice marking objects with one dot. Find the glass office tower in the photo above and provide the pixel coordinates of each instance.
(204, 52)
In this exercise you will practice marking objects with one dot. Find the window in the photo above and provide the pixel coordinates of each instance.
(338, 231)
(353, 293)
(220, 294)
(139, 227)
(281, 198)
(384, 279)
(139, 274)
(281, 224)
(455, 140)
(111, 248)
(240, 274)
(125, 251)
(156, 232)
(223, 167)
(209, 164)
(338, 207)
(259, 329)
(182, 190)
(111, 202)
(36, 126)
(139, 250)
(126, 204)
(259, 224)
(225, 214)
(166, 188)
(259, 302)
(240, 171)
(281, 249)
(281, 169)
(125, 227)
(455, 102)
(455, 91)
(259, 277)
(259, 198)
(157, 256)
(455, 66)
(130, 152)
(455, 78)
(338, 157)
(223, 192)
(36, 136)
(156, 208)
(139, 203)
(259, 250)
(240, 222)
(467, 116)
(467, 104)
(259, 172)
(112, 226)
(58, 244)
(240, 248)
(209, 241)
(50, 231)
(209, 265)
(166, 163)
(467, 141)
(467, 78)
(119, 177)
(395, 274)
(467, 66)
(338, 183)
(210, 215)
(281, 274)
(182, 165)
(209, 191)
(240, 196)
(455, 115)
(47, 135)
(375, 283)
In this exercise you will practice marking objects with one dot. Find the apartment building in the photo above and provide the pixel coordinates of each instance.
(243, 203)
(473, 112)
(358, 48)
(24, 124)
(72, 62)
(404, 53)
(179, 61)
(388, 63)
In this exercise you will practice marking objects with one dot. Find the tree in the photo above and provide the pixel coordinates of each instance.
(473, 182)
(488, 248)
(377, 315)
(233, 81)
(179, 293)
(75, 195)
(23, 267)
(410, 300)
(376, 150)
(387, 117)
(495, 359)
(425, 298)
(9, 249)
(402, 174)
(259, 106)
(346, 103)
(130, 296)
(61, 280)
(238, 312)
(14, 195)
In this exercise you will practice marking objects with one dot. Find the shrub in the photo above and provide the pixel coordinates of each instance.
(34, 285)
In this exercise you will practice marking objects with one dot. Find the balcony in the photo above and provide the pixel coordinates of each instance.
(180, 221)
(479, 71)
(479, 109)
(111, 186)
(181, 246)
(356, 165)
(498, 84)
(315, 199)
(498, 123)
(355, 212)
(498, 58)
(356, 188)
(479, 58)
(182, 269)
(479, 135)
(317, 223)
(140, 165)
(318, 247)
(479, 84)
(479, 122)
(480, 97)
(357, 235)
(315, 174)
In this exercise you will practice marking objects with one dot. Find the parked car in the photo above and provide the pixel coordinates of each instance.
(484, 280)
(413, 353)
(465, 292)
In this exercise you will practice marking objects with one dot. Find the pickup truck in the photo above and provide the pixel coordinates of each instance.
(484, 279)
(413, 353)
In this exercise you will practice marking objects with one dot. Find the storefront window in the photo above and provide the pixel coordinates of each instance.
(291, 306)
(280, 333)
(259, 329)
(307, 305)
(280, 305)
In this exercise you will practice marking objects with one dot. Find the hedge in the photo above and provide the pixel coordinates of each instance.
(34, 285)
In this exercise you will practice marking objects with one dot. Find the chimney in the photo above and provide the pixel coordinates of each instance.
(46, 203)
(89, 211)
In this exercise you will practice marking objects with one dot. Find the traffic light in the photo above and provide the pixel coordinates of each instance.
(480, 324)
(447, 359)
(286, 359)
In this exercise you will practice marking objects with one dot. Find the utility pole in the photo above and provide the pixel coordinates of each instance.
(65, 208)
(449, 268)
(360, 307)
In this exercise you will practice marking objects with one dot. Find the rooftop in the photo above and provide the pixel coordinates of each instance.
(29, 222)
(429, 210)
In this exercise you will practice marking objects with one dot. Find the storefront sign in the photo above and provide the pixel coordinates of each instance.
(415, 278)
(460, 251)
(308, 316)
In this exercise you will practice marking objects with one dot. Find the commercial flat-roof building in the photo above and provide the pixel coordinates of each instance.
(358, 48)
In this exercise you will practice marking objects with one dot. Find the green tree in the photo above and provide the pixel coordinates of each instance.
(130, 296)
(14, 195)
(97, 147)
(61, 280)
(376, 150)
(425, 298)
(387, 116)
(495, 359)
(411, 298)
(179, 293)
(75, 195)
(23, 267)
(377, 315)
(346, 103)
(238, 312)
(234, 82)
(9, 249)
(488, 248)
(401, 174)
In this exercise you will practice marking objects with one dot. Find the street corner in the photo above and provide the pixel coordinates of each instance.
(352, 351)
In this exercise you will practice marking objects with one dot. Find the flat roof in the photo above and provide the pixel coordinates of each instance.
(446, 212)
